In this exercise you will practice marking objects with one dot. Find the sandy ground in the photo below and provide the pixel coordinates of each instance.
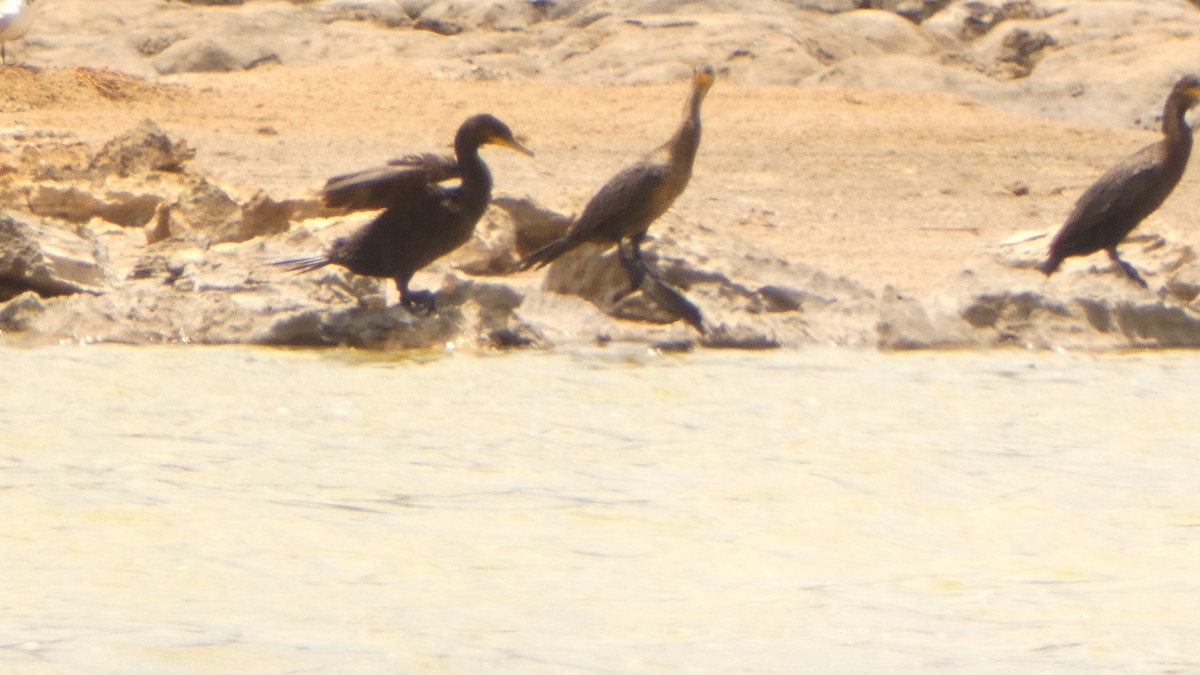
(884, 187)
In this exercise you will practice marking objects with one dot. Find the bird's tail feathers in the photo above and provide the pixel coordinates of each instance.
(1050, 265)
(299, 265)
(545, 255)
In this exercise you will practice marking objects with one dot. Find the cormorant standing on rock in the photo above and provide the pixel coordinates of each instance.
(625, 207)
(634, 198)
(422, 220)
(1131, 190)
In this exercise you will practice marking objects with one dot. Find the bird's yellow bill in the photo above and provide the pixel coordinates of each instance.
(512, 145)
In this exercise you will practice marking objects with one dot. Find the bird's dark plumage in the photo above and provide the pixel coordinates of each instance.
(1130, 191)
(377, 187)
(422, 219)
(626, 206)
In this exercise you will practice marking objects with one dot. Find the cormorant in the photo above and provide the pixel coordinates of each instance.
(626, 206)
(1109, 210)
(422, 220)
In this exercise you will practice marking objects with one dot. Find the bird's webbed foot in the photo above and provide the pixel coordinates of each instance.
(663, 294)
(1128, 269)
(418, 302)
(669, 298)
(634, 266)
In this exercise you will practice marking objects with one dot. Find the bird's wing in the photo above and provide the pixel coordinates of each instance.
(1124, 195)
(437, 167)
(621, 199)
(382, 187)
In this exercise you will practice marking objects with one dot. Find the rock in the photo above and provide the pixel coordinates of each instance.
(799, 301)
(468, 313)
(834, 6)
(163, 227)
(981, 17)
(533, 226)
(739, 338)
(1153, 324)
(53, 157)
(18, 314)
(498, 15)
(385, 12)
(1099, 318)
(1075, 308)
(904, 324)
(48, 259)
(208, 56)
(1021, 51)
(153, 45)
(915, 11)
(207, 208)
(263, 215)
(141, 150)
(71, 204)
(438, 26)
(413, 8)
(377, 328)
(589, 272)
(1184, 285)
(76, 205)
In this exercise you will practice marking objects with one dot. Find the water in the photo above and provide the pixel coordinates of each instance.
(228, 510)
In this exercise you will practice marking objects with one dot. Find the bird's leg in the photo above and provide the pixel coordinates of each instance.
(663, 294)
(636, 243)
(634, 265)
(670, 299)
(1129, 270)
(417, 302)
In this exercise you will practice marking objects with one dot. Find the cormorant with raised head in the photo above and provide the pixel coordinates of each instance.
(422, 220)
(626, 206)
(1109, 210)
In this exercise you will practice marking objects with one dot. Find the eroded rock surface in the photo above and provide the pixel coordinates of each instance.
(197, 272)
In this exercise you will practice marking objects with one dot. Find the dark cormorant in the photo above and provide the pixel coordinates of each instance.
(626, 206)
(422, 220)
(1129, 191)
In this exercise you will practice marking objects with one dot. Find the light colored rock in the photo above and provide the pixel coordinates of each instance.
(141, 150)
(49, 259)
(388, 13)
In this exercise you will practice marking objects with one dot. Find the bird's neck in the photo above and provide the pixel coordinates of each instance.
(475, 174)
(686, 141)
(684, 144)
(1175, 127)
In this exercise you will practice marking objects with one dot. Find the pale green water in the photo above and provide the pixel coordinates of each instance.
(200, 510)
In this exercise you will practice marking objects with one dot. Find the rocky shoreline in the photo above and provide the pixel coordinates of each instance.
(126, 244)
(132, 237)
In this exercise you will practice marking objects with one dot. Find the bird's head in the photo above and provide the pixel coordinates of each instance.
(703, 77)
(1187, 89)
(488, 130)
